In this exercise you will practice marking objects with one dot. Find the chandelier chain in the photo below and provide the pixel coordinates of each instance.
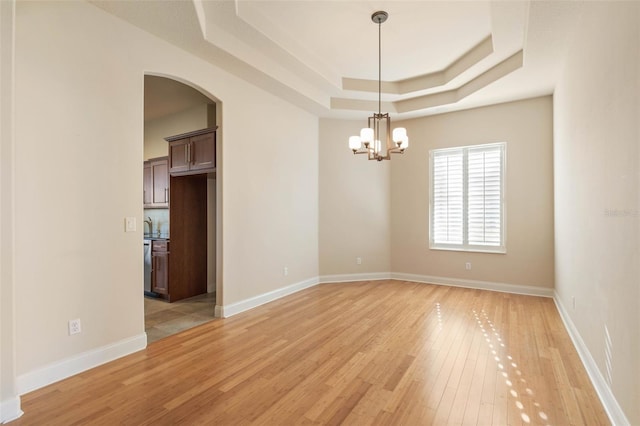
(379, 67)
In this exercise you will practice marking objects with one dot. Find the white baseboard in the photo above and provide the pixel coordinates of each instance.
(10, 410)
(77, 364)
(611, 406)
(225, 311)
(345, 278)
(482, 285)
(217, 312)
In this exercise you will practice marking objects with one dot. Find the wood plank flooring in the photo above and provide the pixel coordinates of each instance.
(378, 352)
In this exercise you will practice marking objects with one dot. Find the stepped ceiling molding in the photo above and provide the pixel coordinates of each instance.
(437, 56)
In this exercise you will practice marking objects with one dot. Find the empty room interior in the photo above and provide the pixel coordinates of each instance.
(354, 212)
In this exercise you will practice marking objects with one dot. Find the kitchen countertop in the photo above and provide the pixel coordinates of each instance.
(156, 237)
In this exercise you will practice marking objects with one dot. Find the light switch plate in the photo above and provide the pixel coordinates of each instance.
(129, 224)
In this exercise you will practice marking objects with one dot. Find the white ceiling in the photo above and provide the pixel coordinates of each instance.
(437, 56)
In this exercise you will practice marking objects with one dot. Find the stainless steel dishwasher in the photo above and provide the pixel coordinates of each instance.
(147, 266)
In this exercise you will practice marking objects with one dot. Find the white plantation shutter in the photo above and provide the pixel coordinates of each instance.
(467, 198)
(448, 220)
(484, 196)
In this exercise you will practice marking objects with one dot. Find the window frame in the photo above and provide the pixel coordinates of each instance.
(465, 246)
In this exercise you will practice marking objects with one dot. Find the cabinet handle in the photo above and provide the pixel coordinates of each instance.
(189, 153)
(166, 195)
(186, 152)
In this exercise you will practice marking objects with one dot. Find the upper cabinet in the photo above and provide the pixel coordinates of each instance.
(179, 156)
(156, 183)
(147, 180)
(192, 153)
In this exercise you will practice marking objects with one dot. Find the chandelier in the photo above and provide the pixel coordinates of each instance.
(376, 140)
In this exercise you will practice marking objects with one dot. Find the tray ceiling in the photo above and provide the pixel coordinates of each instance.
(437, 56)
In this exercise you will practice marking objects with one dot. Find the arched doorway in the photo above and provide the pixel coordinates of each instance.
(172, 108)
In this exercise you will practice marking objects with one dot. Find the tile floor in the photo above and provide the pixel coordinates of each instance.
(162, 319)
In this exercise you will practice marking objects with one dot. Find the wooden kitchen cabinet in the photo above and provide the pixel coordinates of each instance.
(147, 184)
(156, 183)
(160, 177)
(178, 154)
(203, 152)
(181, 272)
(192, 153)
(188, 218)
(160, 267)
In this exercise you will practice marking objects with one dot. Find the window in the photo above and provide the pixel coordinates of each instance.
(466, 203)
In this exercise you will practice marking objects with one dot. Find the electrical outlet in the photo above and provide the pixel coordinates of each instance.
(74, 326)
(285, 271)
(358, 261)
(467, 266)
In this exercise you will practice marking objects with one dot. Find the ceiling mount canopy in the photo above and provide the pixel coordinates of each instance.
(378, 130)
(379, 17)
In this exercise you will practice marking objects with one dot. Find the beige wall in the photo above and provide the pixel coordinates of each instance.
(81, 162)
(354, 204)
(596, 115)
(155, 131)
(9, 401)
(270, 201)
(526, 127)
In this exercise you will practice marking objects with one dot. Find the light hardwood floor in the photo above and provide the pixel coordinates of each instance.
(380, 352)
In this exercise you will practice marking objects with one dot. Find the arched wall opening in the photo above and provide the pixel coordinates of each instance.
(173, 106)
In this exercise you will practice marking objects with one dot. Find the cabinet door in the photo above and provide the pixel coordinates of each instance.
(147, 191)
(160, 272)
(160, 173)
(179, 156)
(203, 152)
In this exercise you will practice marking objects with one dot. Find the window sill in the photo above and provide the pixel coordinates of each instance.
(497, 250)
